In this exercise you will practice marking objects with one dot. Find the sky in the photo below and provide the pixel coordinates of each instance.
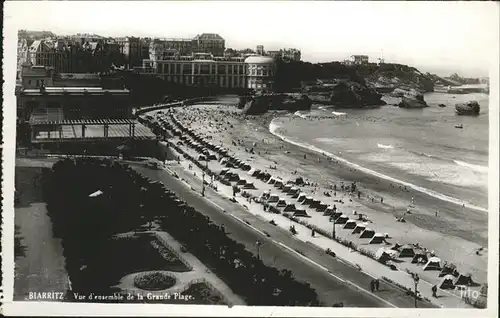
(438, 37)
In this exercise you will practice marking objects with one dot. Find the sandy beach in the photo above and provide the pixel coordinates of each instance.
(454, 235)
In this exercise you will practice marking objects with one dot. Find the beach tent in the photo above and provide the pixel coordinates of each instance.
(300, 213)
(378, 238)
(383, 255)
(281, 204)
(249, 185)
(278, 184)
(463, 279)
(314, 204)
(223, 172)
(273, 198)
(406, 251)
(286, 188)
(301, 197)
(293, 190)
(271, 180)
(307, 201)
(321, 207)
(449, 268)
(246, 167)
(241, 182)
(367, 233)
(223, 160)
(447, 282)
(420, 257)
(96, 194)
(335, 215)
(360, 227)
(253, 172)
(342, 219)
(329, 210)
(289, 208)
(350, 225)
(265, 176)
(434, 263)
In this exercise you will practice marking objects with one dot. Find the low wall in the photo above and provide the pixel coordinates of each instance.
(177, 254)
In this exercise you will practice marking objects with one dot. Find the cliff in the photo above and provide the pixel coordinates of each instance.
(253, 105)
(381, 77)
(344, 94)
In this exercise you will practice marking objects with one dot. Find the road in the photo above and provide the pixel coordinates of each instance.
(333, 280)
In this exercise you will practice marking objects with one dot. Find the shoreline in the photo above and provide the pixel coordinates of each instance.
(274, 128)
(453, 239)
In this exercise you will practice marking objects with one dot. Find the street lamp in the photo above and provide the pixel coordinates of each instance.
(333, 231)
(258, 244)
(203, 179)
(415, 280)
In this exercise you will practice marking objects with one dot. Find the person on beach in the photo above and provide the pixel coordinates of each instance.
(381, 200)
(372, 285)
(434, 291)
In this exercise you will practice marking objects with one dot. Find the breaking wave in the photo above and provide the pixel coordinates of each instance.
(298, 113)
(471, 166)
(339, 114)
(273, 129)
(385, 146)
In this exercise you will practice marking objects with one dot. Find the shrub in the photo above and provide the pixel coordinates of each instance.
(154, 281)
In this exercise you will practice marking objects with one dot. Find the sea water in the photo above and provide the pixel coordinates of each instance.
(420, 148)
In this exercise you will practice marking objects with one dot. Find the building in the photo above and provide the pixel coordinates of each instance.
(36, 76)
(359, 59)
(260, 72)
(199, 69)
(285, 54)
(132, 50)
(209, 43)
(203, 69)
(260, 50)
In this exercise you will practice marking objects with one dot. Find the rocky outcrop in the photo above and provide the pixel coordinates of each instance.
(254, 105)
(469, 108)
(346, 94)
(413, 99)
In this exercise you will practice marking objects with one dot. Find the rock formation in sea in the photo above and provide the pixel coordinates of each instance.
(260, 104)
(469, 108)
(413, 99)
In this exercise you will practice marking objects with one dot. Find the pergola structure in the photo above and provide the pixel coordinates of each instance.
(47, 131)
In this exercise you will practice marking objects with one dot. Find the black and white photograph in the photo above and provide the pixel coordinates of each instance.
(257, 158)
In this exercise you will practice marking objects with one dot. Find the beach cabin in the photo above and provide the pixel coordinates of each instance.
(420, 257)
(289, 208)
(406, 251)
(265, 176)
(202, 158)
(378, 238)
(300, 213)
(273, 198)
(223, 161)
(350, 225)
(342, 219)
(447, 282)
(249, 185)
(223, 172)
(246, 167)
(278, 184)
(281, 204)
(301, 197)
(463, 280)
(321, 207)
(232, 176)
(307, 201)
(360, 227)
(433, 264)
(241, 182)
(367, 233)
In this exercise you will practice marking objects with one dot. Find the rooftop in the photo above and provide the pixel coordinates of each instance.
(73, 90)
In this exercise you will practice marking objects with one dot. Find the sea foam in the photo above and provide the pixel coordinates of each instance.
(478, 168)
(273, 128)
(385, 146)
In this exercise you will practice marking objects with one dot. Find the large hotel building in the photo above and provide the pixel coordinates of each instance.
(203, 69)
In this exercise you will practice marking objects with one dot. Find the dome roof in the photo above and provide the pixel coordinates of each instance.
(258, 59)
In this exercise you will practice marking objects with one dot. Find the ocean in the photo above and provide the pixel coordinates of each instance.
(420, 148)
